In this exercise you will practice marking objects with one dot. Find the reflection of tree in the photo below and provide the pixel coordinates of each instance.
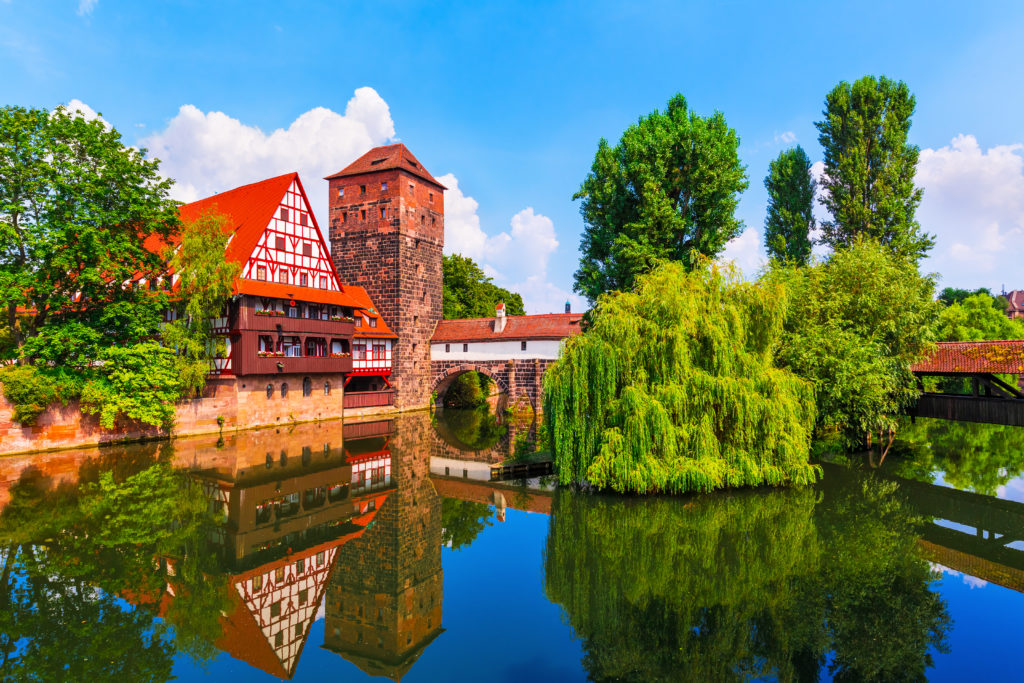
(475, 429)
(462, 521)
(721, 587)
(971, 456)
(70, 554)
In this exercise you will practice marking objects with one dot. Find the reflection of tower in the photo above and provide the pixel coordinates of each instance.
(384, 599)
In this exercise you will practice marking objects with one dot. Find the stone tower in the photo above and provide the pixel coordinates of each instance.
(386, 218)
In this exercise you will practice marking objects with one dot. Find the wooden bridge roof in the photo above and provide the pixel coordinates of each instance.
(974, 357)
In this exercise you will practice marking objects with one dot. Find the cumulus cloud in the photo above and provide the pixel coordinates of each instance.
(517, 258)
(745, 252)
(208, 152)
(974, 204)
(786, 138)
(85, 110)
(86, 7)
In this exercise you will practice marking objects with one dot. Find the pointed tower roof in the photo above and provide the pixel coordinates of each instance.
(385, 158)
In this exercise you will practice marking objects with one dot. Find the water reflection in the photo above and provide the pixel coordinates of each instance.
(127, 562)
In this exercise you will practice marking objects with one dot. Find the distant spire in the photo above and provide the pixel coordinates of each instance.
(568, 307)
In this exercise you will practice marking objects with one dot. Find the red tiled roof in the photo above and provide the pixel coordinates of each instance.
(309, 294)
(365, 305)
(547, 326)
(386, 158)
(975, 357)
(1015, 301)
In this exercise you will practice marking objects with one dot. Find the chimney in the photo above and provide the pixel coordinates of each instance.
(568, 307)
(499, 317)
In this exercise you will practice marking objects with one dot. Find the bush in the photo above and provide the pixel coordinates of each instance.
(31, 390)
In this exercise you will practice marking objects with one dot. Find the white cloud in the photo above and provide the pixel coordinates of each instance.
(213, 152)
(86, 7)
(745, 251)
(517, 259)
(974, 204)
(84, 109)
(786, 138)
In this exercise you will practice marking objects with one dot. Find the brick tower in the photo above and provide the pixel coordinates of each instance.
(386, 217)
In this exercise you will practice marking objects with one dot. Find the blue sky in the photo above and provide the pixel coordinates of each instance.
(508, 100)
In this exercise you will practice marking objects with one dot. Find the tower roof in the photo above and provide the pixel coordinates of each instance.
(386, 158)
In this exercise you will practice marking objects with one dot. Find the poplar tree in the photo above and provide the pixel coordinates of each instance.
(870, 166)
(790, 219)
(667, 190)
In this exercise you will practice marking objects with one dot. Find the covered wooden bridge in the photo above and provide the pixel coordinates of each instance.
(992, 399)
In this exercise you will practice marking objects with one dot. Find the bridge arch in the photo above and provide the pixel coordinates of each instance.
(445, 376)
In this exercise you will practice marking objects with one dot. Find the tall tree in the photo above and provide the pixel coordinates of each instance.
(468, 293)
(870, 166)
(789, 222)
(667, 189)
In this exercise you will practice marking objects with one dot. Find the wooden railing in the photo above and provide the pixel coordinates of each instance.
(367, 399)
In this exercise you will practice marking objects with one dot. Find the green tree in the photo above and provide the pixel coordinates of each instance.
(790, 218)
(462, 521)
(868, 182)
(674, 388)
(669, 188)
(138, 382)
(204, 284)
(855, 324)
(954, 295)
(76, 206)
(468, 293)
(977, 317)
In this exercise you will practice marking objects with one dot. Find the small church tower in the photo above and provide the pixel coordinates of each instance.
(386, 218)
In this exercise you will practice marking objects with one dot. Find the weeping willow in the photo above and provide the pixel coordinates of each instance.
(673, 389)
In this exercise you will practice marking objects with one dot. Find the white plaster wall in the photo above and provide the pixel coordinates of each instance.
(497, 350)
(477, 471)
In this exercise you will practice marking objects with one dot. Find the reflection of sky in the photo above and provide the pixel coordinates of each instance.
(1012, 490)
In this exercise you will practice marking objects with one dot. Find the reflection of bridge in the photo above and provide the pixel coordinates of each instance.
(991, 400)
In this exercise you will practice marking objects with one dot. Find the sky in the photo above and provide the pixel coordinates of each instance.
(505, 103)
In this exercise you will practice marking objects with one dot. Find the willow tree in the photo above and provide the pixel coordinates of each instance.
(673, 389)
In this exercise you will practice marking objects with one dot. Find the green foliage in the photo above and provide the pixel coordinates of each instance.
(673, 388)
(468, 293)
(790, 218)
(205, 281)
(468, 390)
(855, 324)
(953, 295)
(139, 382)
(462, 521)
(977, 317)
(668, 189)
(869, 167)
(31, 389)
(76, 205)
(750, 586)
(469, 429)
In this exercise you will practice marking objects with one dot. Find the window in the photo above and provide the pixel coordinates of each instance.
(465, 348)
(279, 243)
(378, 352)
(327, 389)
(359, 321)
(430, 197)
(362, 214)
(383, 187)
(282, 276)
(359, 352)
(323, 282)
(261, 273)
(302, 219)
(298, 630)
(411, 187)
(300, 567)
(270, 391)
(275, 609)
(522, 346)
(362, 189)
(341, 191)
(320, 555)
(423, 220)
(344, 216)
(284, 392)
(383, 213)
(303, 280)
(293, 311)
(257, 583)
(284, 214)
(373, 322)
(278, 575)
(307, 387)
(307, 249)
(447, 348)
(279, 636)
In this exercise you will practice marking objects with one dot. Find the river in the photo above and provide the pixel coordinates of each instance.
(381, 548)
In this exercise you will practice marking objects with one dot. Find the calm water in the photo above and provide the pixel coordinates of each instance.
(380, 549)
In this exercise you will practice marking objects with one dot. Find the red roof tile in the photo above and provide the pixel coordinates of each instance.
(386, 158)
(547, 326)
(975, 357)
(309, 294)
(365, 305)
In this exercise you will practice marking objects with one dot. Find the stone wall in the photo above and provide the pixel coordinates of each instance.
(523, 379)
(241, 402)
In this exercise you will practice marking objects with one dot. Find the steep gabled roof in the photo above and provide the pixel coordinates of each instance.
(386, 158)
(517, 327)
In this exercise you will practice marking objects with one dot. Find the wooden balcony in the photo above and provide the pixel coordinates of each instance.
(250, 364)
(367, 399)
(248, 320)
